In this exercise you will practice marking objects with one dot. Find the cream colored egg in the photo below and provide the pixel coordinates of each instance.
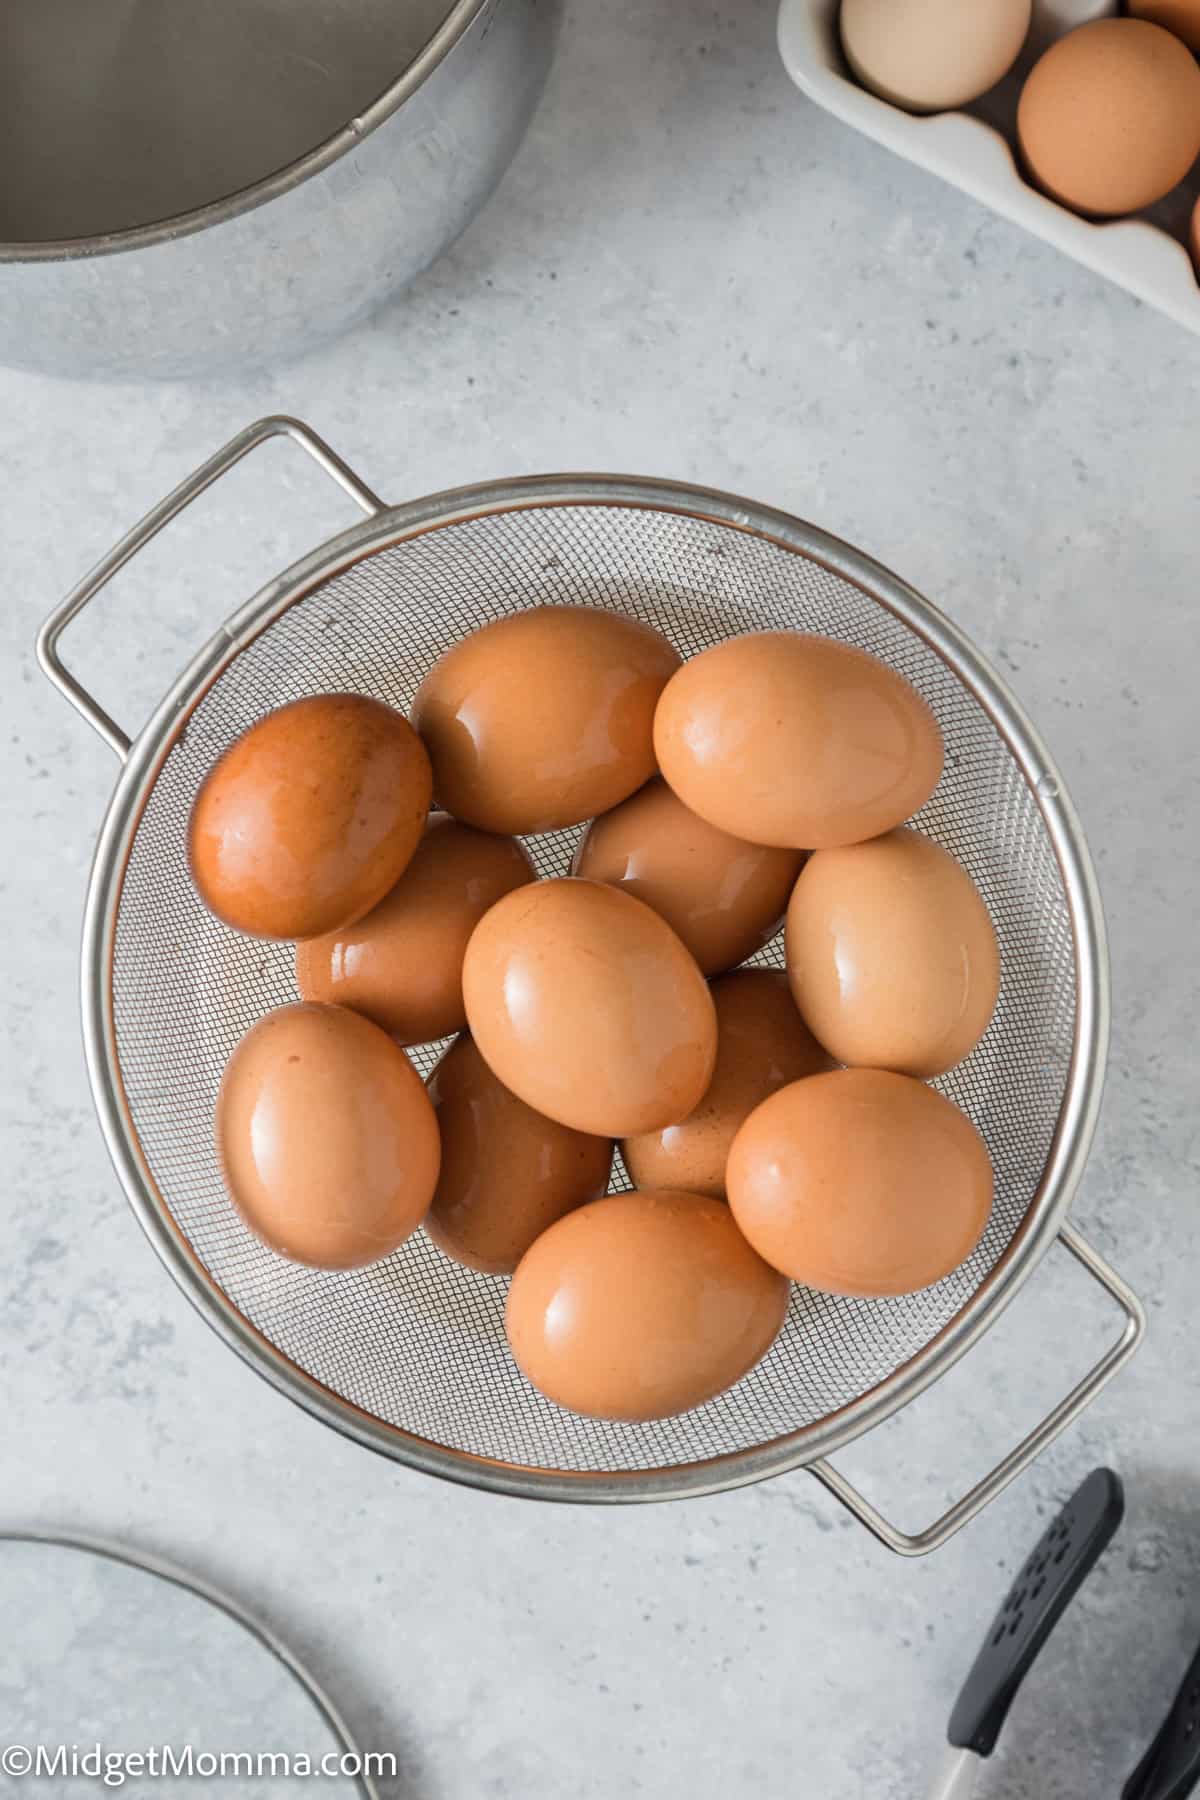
(930, 55)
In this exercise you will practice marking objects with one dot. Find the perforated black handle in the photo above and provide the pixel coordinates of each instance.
(1048, 1581)
(1170, 1768)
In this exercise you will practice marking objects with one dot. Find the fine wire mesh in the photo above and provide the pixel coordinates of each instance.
(416, 1341)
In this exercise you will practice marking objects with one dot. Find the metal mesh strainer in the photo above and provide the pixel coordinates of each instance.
(409, 1355)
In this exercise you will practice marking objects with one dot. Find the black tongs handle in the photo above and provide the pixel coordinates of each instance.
(1170, 1768)
(1049, 1579)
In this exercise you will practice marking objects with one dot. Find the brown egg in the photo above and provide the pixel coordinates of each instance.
(507, 1172)
(541, 719)
(310, 817)
(589, 1008)
(326, 1136)
(798, 741)
(402, 964)
(762, 1044)
(892, 957)
(1179, 16)
(1194, 236)
(860, 1182)
(1109, 118)
(642, 1305)
(725, 898)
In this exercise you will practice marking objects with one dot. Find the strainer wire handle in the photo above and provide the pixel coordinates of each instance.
(1042, 1435)
(202, 478)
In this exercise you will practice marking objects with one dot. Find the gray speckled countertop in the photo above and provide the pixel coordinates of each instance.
(688, 271)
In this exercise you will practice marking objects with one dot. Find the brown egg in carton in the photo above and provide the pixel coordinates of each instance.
(769, 775)
(1105, 116)
(1087, 134)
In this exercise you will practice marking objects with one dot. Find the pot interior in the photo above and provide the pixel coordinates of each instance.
(123, 113)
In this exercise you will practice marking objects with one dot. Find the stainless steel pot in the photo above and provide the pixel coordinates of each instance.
(137, 257)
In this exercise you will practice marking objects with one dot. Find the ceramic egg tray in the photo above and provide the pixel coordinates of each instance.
(974, 149)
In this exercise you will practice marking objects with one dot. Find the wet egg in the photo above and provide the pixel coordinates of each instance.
(724, 898)
(327, 1139)
(310, 817)
(507, 1172)
(892, 956)
(543, 718)
(641, 1306)
(783, 738)
(401, 965)
(860, 1182)
(762, 1044)
(588, 1007)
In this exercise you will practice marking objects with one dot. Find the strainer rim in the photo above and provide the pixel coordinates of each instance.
(1078, 1113)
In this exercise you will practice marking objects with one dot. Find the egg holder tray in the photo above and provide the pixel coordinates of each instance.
(972, 149)
(408, 1356)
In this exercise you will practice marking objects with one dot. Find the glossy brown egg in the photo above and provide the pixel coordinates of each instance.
(402, 964)
(1109, 116)
(310, 817)
(641, 1306)
(507, 1172)
(793, 740)
(541, 719)
(892, 957)
(762, 1044)
(586, 1005)
(326, 1136)
(860, 1182)
(725, 898)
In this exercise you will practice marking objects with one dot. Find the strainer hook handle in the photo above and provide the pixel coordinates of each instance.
(1017, 1461)
(259, 433)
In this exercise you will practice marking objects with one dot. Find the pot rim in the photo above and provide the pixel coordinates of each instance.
(460, 16)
